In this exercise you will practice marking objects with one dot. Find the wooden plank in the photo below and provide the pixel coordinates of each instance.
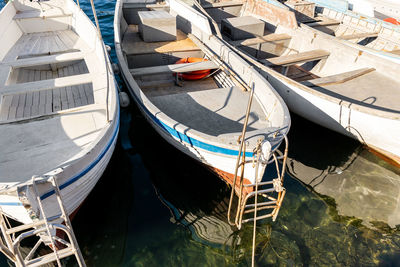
(36, 95)
(5, 107)
(323, 23)
(273, 37)
(42, 94)
(42, 60)
(337, 78)
(21, 106)
(185, 67)
(221, 4)
(297, 58)
(75, 69)
(63, 92)
(28, 104)
(49, 13)
(13, 107)
(74, 89)
(47, 84)
(360, 35)
(49, 95)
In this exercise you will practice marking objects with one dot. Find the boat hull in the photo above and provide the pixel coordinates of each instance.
(378, 133)
(221, 161)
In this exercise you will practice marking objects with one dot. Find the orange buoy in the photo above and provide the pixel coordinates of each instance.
(193, 75)
(392, 20)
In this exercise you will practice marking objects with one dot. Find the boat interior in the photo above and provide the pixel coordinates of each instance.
(213, 105)
(271, 35)
(52, 88)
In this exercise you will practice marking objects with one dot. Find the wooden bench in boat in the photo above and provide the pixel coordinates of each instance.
(185, 67)
(208, 5)
(323, 22)
(360, 35)
(47, 84)
(33, 14)
(337, 78)
(44, 60)
(296, 58)
(273, 37)
(132, 44)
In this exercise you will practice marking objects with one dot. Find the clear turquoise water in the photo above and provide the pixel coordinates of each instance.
(156, 207)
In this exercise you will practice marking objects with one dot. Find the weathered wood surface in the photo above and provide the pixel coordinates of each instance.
(271, 13)
(297, 58)
(359, 35)
(337, 78)
(273, 37)
(185, 67)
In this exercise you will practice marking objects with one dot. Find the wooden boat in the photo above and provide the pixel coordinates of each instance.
(334, 18)
(203, 118)
(59, 112)
(324, 80)
(381, 9)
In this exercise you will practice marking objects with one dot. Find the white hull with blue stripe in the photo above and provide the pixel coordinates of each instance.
(59, 111)
(202, 118)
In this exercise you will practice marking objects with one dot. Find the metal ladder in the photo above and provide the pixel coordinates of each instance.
(272, 192)
(45, 229)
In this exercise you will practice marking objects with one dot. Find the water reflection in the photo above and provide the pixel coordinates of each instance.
(361, 184)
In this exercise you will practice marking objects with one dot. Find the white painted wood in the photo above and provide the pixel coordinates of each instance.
(75, 138)
(47, 84)
(185, 67)
(42, 60)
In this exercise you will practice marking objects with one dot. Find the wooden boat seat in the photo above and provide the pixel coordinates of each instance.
(42, 60)
(296, 58)
(322, 22)
(49, 13)
(47, 84)
(360, 35)
(273, 37)
(208, 5)
(337, 78)
(133, 44)
(186, 67)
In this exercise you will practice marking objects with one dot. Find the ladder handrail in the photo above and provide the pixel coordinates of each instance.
(41, 227)
(242, 140)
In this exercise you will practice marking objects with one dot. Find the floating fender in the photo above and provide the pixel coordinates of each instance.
(115, 68)
(392, 20)
(193, 75)
(124, 100)
(108, 48)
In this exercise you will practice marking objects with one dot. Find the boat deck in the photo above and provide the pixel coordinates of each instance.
(42, 123)
(208, 106)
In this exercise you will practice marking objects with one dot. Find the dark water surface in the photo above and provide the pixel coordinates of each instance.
(156, 207)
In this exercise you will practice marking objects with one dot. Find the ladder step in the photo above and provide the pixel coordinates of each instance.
(27, 226)
(257, 218)
(259, 184)
(260, 204)
(62, 253)
(261, 192)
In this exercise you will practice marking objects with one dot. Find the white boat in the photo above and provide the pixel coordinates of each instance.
(202, 118)
(380, 9)
(357, 29)
(59, 112)
(320, 78)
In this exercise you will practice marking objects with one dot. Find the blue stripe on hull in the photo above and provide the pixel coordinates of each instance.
(183, 137)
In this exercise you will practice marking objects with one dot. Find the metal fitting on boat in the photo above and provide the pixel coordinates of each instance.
(124, 100)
